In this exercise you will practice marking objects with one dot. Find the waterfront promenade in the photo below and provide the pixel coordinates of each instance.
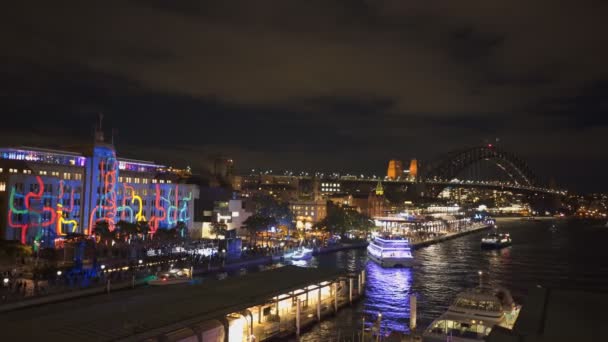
(260, 303)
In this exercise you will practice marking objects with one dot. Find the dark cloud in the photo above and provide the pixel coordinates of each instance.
(330, 84)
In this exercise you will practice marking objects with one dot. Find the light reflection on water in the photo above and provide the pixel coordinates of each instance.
(387, 292)
(573, 256)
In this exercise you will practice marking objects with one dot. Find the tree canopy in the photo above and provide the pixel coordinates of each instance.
(340, 220)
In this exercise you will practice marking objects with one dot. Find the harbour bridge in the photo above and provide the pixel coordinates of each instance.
(485, 166)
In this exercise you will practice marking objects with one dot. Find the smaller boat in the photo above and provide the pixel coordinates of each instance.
(495, 241)
(174, 276)
(302, 254)
(473, 315)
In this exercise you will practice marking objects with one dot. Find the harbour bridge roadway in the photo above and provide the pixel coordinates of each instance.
(464, 183)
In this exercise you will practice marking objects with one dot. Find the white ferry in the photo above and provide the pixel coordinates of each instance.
(391, 252)
(472, 316)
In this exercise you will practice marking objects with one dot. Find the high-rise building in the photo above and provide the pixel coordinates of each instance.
(413, 173)
(395, 169)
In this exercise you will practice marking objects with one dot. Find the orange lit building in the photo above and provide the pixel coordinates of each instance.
(413, 174)
(395, 169)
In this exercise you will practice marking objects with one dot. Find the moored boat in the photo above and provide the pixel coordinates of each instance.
(387, 252)
(302, 254)
(472, 316)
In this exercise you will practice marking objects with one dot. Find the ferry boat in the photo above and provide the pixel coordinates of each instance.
(302, 254)
(390, 252)
(495, 241)
(174, 276)
(472, 316)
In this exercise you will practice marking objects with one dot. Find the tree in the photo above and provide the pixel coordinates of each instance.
(257, 223)
(166, 235)
(340, 221)
(103, 232)
(126, 230)
(218, 229)
(268, 206)
(181, 229)
(335, 221)
(143, 228)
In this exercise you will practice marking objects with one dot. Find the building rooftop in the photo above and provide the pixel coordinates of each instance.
(558, 315)
(141, 313)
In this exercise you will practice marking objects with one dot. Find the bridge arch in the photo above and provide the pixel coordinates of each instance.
(455, 162)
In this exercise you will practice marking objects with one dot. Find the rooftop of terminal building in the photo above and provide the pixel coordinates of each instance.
(150, 309)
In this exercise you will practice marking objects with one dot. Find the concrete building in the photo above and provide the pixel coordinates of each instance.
(413, 170)
(46, 194)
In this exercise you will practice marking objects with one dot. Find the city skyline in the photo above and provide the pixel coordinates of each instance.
(325, 85)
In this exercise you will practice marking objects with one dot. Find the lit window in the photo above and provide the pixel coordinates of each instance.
(169, 182)
(162, 181)
(136, 180)
(154, 181)
(1, 170)
(2, 186)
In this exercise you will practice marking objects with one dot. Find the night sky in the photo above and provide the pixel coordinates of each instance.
(316, 84)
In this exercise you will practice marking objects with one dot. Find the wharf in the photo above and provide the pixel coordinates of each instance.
(449, 236)
(267, 304)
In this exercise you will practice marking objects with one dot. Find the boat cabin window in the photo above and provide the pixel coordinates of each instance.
(484, 305)
(454, 328)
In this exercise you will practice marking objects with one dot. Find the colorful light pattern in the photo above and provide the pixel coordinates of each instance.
(31, 212)
(100, 197)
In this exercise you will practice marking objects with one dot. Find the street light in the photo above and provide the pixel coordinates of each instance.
(58, 273)
(103, 267)
(5, 281)
(140, 261)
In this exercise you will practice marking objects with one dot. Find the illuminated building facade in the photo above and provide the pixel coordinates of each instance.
(395, 169)
(46, 194)
(376, 202)
(307, 213)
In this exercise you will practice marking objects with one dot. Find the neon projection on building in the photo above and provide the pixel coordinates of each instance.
(48, 206)
(33, 212)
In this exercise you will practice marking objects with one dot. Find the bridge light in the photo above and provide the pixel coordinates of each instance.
(490, 145)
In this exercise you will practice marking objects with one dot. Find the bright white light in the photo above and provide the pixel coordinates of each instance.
(58, 273)
(140, 261)
(103, 267)
(5, 281)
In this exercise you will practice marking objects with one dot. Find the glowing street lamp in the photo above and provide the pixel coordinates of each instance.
(58, 273)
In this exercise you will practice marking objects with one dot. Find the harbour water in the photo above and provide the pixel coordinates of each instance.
(570, 255)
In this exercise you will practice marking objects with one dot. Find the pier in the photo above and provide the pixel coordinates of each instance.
(264, 305)
(448, 236)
